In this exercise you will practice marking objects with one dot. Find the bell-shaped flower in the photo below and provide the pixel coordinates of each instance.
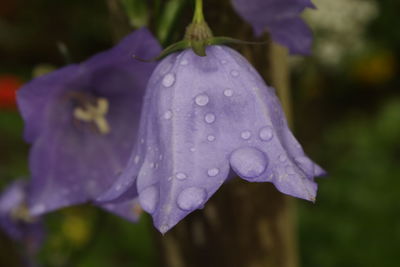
(15, 219)
(282, 20)
(202, 117)
(82, 122)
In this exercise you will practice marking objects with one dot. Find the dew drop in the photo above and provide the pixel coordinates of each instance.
(282, 158)
(209, 118)
(181, 176)
(228, 92)
(191, 198)
(148, 199)
(213, 172)
(235, 73)
(168, 80)
(245, 135)
(164, 228)
(202, 99)
(223, 61)
(168, 115)
(266, 133)
(184, 62)
(136, 159)
(211, 138)
(192, 149)
(249, 162)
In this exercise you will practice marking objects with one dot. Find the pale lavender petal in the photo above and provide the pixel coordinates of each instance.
(203, 115)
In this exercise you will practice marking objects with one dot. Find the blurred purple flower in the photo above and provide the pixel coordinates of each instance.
(82, 121)
(281, 18)
(15, 219)
(201, 116)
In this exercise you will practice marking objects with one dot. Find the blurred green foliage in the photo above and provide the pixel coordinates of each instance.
(355, 221)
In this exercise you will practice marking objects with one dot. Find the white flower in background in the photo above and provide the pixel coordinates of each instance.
(339, 27)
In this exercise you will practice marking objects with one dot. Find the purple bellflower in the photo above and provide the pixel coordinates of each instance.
(82, 121)
(281, 18)
(202, 117)
(15, 219)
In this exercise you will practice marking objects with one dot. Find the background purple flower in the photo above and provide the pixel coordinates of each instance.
(203, 116)
(82, 122)
(15, 219)
(281, 18)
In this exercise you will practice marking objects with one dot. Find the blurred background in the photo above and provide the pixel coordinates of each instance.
(346, 103)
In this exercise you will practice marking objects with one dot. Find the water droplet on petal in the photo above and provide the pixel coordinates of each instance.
(136, 159)
(168, 80)
(164, 228)
(235, 73)
(202, 99)
(209, 118)
(192, 149)
(249, 162)
(168, 115)
(282, 158)
(191, 198)
(223, 61)
(213, 172)
(245, 135)
(148, 199)
(181, 176)
(228, 92)
(266, 133)
(184, 62)
(211, 138)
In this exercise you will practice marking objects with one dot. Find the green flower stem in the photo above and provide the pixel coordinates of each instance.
(198, 12)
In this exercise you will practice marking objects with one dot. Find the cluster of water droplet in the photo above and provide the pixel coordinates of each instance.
(250, 146)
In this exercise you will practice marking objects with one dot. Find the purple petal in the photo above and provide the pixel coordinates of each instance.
(33, 98)
(203, 115)
(71, 162)
(15, 221)
(297, 36)
(129, 210)
(281, 18)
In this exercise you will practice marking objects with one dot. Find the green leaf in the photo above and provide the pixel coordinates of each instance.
(168, 18)
(137, 11)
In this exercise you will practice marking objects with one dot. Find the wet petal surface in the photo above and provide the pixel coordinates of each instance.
(222, 115)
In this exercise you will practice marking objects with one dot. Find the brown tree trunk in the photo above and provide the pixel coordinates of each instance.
(244, 225)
